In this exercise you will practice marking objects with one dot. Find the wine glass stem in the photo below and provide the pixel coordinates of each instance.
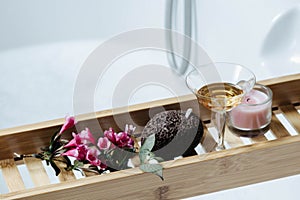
(220, 119)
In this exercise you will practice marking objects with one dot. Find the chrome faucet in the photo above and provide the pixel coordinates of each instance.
(170, 23)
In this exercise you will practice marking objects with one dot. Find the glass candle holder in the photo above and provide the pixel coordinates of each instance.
(253, 116)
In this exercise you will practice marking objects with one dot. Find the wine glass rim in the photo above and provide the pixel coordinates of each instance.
(207, 64)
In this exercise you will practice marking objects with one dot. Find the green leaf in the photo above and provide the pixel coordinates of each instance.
(151, 167)
(159, 159)
(149, 143)
(146, 148)
(159, 173)
(78, 164)
(156, 169)
(54, 145)
(143, 155)
(53, 139)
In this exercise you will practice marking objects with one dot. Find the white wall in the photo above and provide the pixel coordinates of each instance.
(33, 22)
(43, 44)
(234, 31)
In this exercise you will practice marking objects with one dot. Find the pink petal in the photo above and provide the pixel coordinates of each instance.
(103, 166)
(86, 136)
(111, 135)
(92, 156)
(76, 141)
(70, 122)
(124, 140)
(72, 153)
(103, 143)
(72, 143)
(82, 150)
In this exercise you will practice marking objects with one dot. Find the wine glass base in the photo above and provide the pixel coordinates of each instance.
(220, 148)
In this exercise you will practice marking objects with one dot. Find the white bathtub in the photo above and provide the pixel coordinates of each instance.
(44, 43)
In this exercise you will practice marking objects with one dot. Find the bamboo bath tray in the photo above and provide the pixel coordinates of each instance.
(275, 155)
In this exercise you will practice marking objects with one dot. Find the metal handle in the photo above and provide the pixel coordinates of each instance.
(170, 23)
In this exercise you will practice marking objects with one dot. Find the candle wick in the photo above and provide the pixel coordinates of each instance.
(248, 99)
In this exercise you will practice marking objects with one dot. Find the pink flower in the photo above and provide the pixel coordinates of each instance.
(84, 137)
(70, 122)
(79, 152)
(121, 139)
(124, 140)
(111, 135)
(92, 156)
(103, 143)
(72, 152)
(74, 142)
(103, 166)
(129, 129)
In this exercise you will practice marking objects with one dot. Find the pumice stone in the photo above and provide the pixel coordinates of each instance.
(177, 133)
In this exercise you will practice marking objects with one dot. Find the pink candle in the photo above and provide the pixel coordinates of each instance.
(255, 110)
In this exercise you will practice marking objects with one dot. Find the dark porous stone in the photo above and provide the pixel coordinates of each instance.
(175, 135)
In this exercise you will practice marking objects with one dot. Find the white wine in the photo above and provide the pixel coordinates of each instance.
(220, 96)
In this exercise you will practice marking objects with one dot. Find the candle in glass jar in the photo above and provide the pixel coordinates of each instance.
(255, 110)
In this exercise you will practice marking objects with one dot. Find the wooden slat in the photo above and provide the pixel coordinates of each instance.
(285, 89)
(89, 174)
(232, 140)
(281, 80)
(37, 171)
(277, 128)
(11, 175)
(65, 175)
(208, 142)
(185, 177)
(292, 116)
(260, 138)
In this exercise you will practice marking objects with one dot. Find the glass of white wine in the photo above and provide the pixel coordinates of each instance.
(220, 87)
